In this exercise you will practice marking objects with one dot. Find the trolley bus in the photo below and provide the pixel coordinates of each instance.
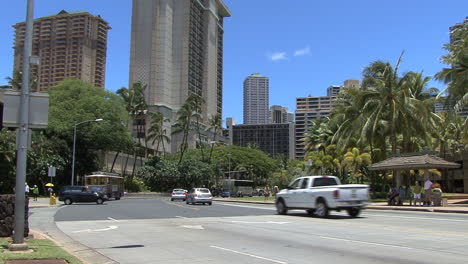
(238, 187)
(110, 184)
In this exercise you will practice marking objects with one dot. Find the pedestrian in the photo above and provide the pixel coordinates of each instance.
(26, 189)
(275, 191)
(266, 194)
(401, 195)
(35, 191)
(427, 192)
(417, 191)
(409, 194)
(50, 191)
(392, 196)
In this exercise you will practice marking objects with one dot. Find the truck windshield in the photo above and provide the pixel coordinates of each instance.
(324, 182)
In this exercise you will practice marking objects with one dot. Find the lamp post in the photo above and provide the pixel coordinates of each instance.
(74, 145)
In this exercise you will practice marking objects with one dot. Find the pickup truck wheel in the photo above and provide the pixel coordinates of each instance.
(354, 212)
(310, 211)
(68, 201)
(99, 201)
(281, 207)
(322, 209)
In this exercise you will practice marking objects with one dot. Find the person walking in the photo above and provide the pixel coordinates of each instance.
(26, 190)
(417, 190)
(35, 191)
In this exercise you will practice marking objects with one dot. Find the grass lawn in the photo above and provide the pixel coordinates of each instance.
(43, 249)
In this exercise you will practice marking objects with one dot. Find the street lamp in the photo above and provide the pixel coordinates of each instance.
(74, 144)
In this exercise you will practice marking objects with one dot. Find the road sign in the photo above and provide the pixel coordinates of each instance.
(51, 172)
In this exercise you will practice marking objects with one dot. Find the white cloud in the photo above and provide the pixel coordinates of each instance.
(302, 52)
(278, 56)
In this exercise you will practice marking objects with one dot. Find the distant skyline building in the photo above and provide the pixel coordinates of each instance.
(309, 109)
(279, 114)
(274, 139)
(256, 99)
(69, 45)
(351, 83)
(177, 50)
(334, 90)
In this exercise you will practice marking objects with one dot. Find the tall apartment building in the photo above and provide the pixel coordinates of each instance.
(256, 99)
(69, 45)
(279, 114)
(177, 50)
(334, 90)
(351, 83)
(308, 109)
(274, 139)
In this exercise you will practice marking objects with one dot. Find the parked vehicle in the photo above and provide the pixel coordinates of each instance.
(199, 195)
(178, 194)
(80, 194)
(320, 194)
(226, 194)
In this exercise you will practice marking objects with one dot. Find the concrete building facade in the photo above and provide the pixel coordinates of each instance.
(177, 50)
(279, 114)
(308, 109)
(69, 45)
(256, 99)
(274, 139)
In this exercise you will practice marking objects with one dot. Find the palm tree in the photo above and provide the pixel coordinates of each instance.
(214, 125)
(318, 136)
(17, 79)
(196, 102)
(354, 160)
(456, 77)
(136, 106)
(182, 125)
(156, 131)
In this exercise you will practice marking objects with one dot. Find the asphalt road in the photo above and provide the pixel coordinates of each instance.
(161, 231)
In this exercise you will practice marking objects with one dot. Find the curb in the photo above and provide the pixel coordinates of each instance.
(373, 207)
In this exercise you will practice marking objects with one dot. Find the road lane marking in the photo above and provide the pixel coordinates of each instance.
(181, 206)
(267, 222)
(178, 216)
(198, 227)
(250, 255)
(110, 218)
(367, 243)
(97, 230)
(415, 217)
(248, 206)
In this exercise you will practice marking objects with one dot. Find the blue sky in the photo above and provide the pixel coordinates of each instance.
(303, 46)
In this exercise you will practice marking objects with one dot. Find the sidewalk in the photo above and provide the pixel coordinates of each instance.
(42, 202)
(453, 206)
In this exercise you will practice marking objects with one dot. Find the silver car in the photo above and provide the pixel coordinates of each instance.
(199, 195)
(178, 194)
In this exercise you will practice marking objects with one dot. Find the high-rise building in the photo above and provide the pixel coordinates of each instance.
(69, 45)
(274, 139)
(256, 99)
(334, 90)
(177, 50)
(280, 114)
(351, 83)
(308, 109)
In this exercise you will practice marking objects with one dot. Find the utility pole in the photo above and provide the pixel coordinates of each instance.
(23, 136)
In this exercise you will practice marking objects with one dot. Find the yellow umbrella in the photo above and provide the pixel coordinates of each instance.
(49, 185)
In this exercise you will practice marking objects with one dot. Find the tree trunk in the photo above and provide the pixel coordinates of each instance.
(115, 159)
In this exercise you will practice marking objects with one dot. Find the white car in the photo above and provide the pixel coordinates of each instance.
(199, 195)
(178, 194)
(320, 194)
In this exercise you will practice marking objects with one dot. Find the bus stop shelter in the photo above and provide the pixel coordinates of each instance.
(417, 162)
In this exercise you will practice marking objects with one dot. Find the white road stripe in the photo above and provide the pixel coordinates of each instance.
(178, 216)
(363, 242)
(415, 217)
(110, 218)
(250, 255)
(248, 206)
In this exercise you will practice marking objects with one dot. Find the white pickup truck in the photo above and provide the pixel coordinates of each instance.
(320, 194)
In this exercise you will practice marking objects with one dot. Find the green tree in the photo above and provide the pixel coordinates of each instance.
(355, 162)
(17, 80)
(156, 131)
(74, 101)
(214, 125)
(196, 102)
(7, 160)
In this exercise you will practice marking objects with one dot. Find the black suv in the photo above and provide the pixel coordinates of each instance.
(80, 194)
